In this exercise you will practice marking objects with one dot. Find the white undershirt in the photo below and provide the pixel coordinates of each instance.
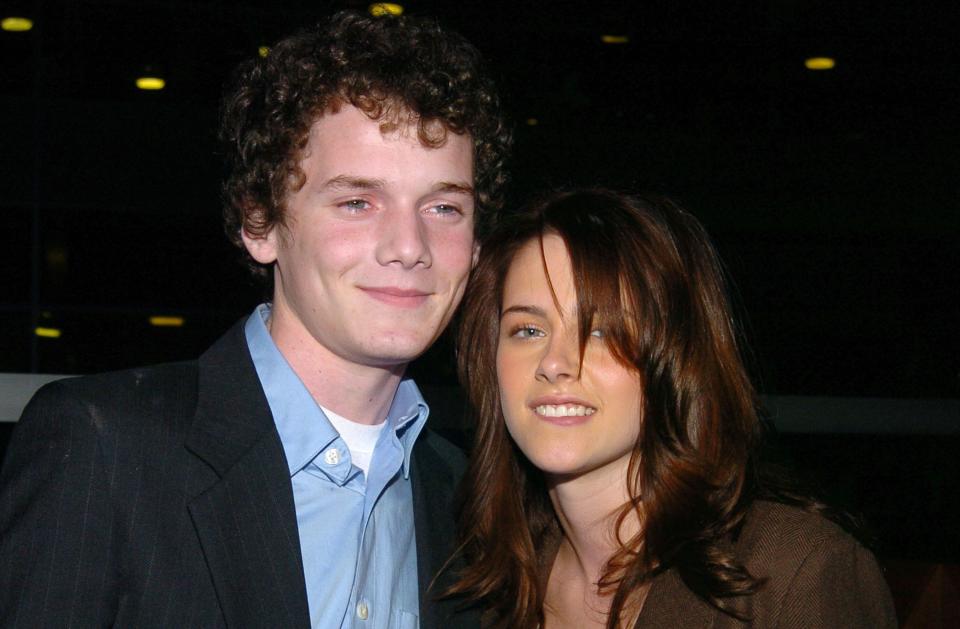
(360, 438)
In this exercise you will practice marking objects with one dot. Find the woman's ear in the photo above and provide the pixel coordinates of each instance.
(476, 253)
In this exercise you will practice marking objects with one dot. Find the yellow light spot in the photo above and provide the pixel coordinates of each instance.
(166, 321)
(56, 257)
(820, 63)
(47, 333)
(263, 51)
(379, 9)
(532, 122)
(615, 39)
(16, 24)
(150, 83)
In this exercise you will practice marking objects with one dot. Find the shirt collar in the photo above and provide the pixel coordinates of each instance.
(304, 430)
(407, 416)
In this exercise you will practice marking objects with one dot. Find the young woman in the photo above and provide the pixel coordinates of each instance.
(613, 481)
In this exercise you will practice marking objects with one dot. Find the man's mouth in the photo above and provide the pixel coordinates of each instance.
(395, 296)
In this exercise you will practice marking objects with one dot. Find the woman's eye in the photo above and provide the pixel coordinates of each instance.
(526, 332)
(598, 334)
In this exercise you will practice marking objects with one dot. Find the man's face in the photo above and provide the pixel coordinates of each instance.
(374, 254)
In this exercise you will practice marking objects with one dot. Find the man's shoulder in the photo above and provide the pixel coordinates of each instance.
(440, 450)
(162, 389)
(108, 399)
(115, 387)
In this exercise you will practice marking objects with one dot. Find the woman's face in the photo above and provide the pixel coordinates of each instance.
(568, 421)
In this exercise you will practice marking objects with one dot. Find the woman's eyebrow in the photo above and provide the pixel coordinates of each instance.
(531, 310)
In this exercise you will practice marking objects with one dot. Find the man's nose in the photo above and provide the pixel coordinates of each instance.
(403, 239)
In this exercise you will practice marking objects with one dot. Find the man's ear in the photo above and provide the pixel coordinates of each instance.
(262, 247)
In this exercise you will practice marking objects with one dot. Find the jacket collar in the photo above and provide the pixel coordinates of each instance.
(232, 412)
(246, 519)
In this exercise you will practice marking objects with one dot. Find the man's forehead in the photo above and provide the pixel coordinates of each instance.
(353, 182)
(393, 119)
(348, 149)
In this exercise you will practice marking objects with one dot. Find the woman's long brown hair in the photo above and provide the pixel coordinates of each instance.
(647, 274)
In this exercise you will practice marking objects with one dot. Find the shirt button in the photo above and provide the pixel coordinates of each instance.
(331, 456)
(363, 612)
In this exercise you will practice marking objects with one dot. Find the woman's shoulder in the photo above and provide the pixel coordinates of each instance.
(779, 542)
(816, 573)
(778, 528)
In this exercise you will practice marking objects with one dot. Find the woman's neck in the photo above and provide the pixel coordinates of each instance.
(587, 507)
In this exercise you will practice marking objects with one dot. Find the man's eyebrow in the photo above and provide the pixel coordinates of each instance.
(531, 310)
(455, 187)
(349, 182)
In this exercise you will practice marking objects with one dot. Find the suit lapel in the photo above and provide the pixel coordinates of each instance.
(434, 488)
(246, 521)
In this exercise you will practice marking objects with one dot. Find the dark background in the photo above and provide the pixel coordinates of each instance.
(833, 196)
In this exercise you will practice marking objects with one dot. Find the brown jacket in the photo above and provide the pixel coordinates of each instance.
(817, 576)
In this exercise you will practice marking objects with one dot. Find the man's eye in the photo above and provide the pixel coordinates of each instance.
(355, 205)
(444, 209)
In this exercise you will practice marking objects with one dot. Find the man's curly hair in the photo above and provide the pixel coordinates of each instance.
(394, 69)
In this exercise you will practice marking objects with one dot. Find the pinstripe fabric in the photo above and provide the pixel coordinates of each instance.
(160, 497)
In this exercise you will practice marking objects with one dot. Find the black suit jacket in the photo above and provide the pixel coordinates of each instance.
(160, 497)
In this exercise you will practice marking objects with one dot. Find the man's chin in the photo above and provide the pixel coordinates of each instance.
(396, 352)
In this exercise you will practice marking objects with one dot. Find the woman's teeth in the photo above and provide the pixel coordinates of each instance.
(564, 410)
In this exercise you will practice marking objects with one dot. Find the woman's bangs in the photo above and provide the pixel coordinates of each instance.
(604, 297)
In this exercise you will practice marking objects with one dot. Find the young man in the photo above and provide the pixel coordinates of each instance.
(286, 478)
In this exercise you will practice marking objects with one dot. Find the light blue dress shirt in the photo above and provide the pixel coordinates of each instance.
(356, 532)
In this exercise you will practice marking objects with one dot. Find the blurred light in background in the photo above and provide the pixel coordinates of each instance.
(615, 39)
(820, 63)
(57, 258)
(166, 321)
(150, 83)
(16, 24)
(47, 333)
(378, 9)
(263, 51)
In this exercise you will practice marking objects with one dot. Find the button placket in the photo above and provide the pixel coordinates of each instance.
(363, 610)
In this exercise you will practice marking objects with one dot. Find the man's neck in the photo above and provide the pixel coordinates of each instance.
(361, 393)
